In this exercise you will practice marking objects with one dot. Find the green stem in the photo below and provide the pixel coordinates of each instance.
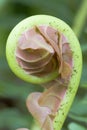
(80, 18)
(77, 59)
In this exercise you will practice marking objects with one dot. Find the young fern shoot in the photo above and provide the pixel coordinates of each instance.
(44, 50)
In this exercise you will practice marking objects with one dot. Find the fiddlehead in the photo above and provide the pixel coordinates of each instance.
(45, 51)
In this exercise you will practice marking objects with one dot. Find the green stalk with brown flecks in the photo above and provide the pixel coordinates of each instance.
(77, 60)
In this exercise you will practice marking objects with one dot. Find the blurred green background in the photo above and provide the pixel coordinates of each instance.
(13, 91)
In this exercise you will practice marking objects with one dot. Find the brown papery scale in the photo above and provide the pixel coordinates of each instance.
(40, 51)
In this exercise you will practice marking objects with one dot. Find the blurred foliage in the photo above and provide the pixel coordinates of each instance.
(13, 91)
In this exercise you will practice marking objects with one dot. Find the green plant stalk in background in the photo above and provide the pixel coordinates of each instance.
(77, 60)
(80, 18)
